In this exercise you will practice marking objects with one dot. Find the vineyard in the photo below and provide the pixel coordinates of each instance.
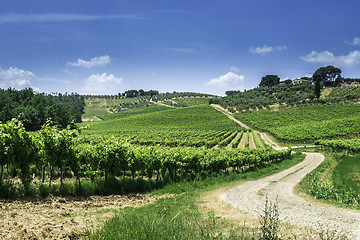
(51, 149)
(307, 123)
(352, 145)
(145, 143)
(101, 106)
(349, 93)
(196, 126)
(132, 112)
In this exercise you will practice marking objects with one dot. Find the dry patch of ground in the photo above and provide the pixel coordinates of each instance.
(62, 218)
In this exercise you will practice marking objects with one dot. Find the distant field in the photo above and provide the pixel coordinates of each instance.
(158, 125)
(201, 117)
(345, 93)
(108, 108)
(307, 123)
(136, 111)
(94, 107)
(191, 101)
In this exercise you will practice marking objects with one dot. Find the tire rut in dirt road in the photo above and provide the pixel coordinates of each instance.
(295, 209)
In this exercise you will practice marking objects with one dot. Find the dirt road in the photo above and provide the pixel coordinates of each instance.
(295, 208)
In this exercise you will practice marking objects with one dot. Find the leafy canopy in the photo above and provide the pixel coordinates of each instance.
(269, 81)
(328, 75)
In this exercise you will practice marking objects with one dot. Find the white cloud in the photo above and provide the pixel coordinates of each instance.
(101, 84)
(266, 49)
(234, 69)
(229, 80)
(94, 62)
(15, 78)
(354, 42)
(326, 57)
(57, 17)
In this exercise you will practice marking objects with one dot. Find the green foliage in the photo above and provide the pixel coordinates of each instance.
(33, 109)
(352, 145)
(112, 158)
(101, 106)
(190, 101)
(192, 126)
(57, 148)
(19, 149)
(201, 117)
(228, 140)
(9, 191)
(317, 88)
(344, 93)
(306, 123)
(236, 142)
(263, 97)
(269, 81)
(329, 75)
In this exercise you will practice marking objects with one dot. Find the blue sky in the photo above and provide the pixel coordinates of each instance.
(107, 47)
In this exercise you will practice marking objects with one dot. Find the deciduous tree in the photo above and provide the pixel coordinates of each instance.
(269, 81)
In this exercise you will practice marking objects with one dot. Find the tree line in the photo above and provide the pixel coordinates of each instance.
(273, 91)
(34, 109)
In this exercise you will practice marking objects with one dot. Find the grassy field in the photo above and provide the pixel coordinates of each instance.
(347, 173)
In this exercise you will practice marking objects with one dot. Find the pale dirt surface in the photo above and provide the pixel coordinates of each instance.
(294, 208)
(247, 222)
(251, 141)
(62, 218)
(242, 141)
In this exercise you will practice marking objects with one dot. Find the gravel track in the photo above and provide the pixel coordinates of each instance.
(294, 208)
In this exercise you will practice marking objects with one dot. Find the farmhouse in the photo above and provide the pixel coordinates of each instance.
(300, 81)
